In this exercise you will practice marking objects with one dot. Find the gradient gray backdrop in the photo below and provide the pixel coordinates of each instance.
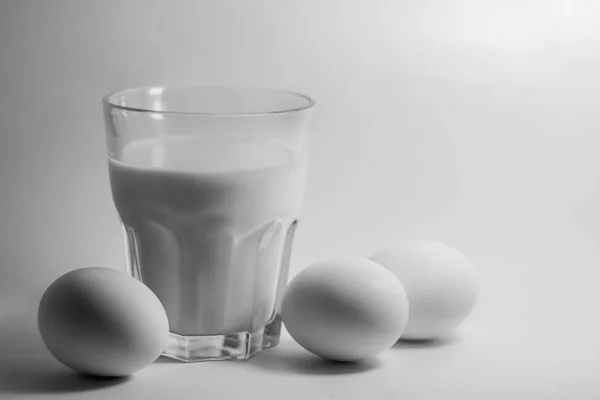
(475, 123)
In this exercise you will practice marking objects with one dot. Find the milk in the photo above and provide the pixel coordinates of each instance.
(207, 224)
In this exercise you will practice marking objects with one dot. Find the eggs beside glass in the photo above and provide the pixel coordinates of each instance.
(102, 322)
(441, 285)
(345, 310)
(348, 310)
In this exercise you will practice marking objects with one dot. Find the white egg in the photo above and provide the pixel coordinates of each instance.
(102, 322)
(345, 310)
(440, 282)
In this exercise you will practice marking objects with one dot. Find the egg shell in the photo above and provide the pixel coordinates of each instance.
(440, 282)
(103, 322)
(345, 310)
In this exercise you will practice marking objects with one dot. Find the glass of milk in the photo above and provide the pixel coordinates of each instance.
(208, 183)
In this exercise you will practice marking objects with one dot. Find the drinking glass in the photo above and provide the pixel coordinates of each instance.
(208, 184)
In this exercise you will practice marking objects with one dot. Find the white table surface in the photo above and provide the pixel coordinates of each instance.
(533, 334)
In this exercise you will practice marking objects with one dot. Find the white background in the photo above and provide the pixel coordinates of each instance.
(475, 123)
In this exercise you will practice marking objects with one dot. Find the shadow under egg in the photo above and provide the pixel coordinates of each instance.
(431, 343)
(301, 362)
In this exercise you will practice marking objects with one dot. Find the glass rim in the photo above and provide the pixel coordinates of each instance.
(108, 100)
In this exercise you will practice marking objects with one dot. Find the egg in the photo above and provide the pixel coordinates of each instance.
(440, 282)
(102, 322)
(345, 310)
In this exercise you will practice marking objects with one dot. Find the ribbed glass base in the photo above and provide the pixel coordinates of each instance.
(235, 346)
